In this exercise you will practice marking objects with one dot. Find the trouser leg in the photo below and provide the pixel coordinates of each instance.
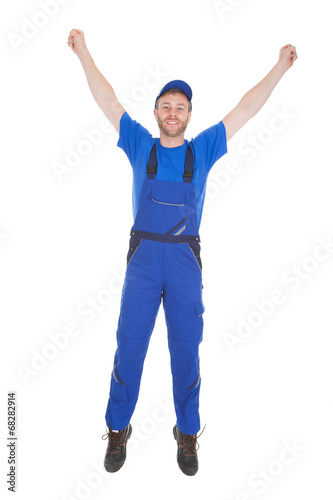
(184, 308)
(185, 366)
(140, 303)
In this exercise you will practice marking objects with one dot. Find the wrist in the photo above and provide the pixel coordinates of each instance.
(281, 67)
(84, 56)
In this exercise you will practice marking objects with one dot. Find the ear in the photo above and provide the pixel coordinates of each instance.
(189, 117)
(155, 113)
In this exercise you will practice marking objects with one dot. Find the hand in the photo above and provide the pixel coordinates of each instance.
(287, 56)
(77, 42)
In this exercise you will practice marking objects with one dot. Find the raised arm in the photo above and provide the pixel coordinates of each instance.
(255, 98)
(100, 88)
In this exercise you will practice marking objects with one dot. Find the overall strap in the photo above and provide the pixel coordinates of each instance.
(152, 163)
(188, 168)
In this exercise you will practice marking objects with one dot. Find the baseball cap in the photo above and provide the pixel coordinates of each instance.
(179, 85)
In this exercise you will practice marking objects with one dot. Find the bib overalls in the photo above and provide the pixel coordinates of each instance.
(163, 262)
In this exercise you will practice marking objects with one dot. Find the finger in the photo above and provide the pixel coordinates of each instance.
(75, 33)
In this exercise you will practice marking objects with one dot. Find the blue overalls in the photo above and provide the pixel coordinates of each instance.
(163, 261)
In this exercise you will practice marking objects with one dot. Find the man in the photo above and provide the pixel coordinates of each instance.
(163, 260)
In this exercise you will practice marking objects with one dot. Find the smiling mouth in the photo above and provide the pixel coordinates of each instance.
(172, 123)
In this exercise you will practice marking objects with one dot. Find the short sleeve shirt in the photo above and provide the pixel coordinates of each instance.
(136, 141)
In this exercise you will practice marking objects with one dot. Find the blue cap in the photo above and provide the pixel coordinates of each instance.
(179, 85)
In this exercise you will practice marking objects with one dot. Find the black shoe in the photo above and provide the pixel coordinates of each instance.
(187, 457)
(116, 451)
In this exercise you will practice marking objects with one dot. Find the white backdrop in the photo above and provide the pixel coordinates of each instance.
(65, 216)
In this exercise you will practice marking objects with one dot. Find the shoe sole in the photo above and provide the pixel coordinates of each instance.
(187, 472)
(108, 467)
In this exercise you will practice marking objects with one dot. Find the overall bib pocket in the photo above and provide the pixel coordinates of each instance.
(168, 197)
(167, 207)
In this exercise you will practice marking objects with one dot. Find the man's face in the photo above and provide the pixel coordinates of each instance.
(172, 114)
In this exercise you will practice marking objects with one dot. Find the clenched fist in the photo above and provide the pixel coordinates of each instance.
(287, 56)
(77, 42)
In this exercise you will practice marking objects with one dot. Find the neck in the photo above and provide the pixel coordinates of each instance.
(171, 142)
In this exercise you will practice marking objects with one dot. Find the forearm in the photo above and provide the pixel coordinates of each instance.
(255, 98)
(101, 89)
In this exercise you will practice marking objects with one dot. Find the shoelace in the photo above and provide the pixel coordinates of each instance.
(190, 441)
(115, 438)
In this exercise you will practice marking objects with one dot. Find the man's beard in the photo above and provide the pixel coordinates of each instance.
(177, 133)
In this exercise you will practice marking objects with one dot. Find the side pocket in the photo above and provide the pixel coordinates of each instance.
(195, 248)
(199, 308)
(134, 244)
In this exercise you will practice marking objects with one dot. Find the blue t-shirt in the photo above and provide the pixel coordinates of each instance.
(208, 147)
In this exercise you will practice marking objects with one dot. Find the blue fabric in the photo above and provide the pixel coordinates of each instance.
(176, 84)
(155, 268)
(163, 206)
(136, 141)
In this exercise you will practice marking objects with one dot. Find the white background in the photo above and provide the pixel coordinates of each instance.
(65, 239)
